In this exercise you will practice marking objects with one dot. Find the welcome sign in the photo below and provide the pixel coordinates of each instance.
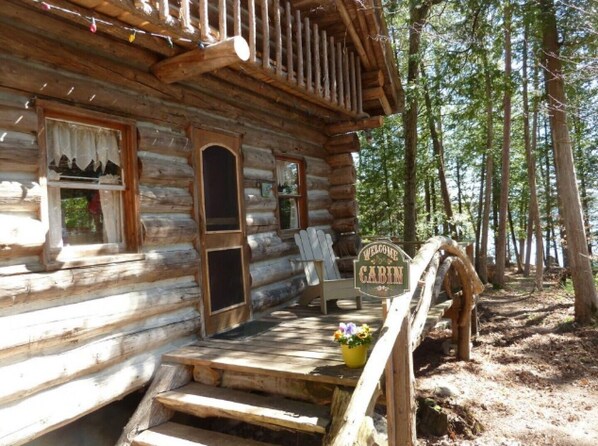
(382, 270)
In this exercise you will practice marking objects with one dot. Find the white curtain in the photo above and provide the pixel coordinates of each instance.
(110, 201)
(82, 144)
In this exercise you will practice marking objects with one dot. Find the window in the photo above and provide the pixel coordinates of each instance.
(90, 176)
(291, 194)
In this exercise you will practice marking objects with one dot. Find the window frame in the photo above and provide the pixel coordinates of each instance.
(301, 197)
(90, 254)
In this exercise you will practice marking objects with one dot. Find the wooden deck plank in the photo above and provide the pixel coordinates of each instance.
(173, 434)
(327, 371)
(209, 401)
(274, 348)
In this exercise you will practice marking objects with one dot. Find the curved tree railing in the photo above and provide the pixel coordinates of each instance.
(399, 335)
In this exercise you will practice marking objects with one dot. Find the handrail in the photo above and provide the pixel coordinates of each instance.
(396, 318)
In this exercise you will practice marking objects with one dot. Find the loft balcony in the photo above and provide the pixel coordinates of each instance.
(332, 53)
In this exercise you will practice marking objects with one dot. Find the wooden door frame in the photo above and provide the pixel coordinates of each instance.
(222, 319)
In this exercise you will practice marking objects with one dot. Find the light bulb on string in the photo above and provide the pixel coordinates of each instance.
(93, 27)
(132, 36)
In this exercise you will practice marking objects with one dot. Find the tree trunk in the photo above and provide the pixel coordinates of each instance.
(438, 151)
(478, 227)
(514, 238)
(586, 298)
(499, 274)
(534, 225)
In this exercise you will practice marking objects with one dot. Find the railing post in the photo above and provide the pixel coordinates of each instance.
(185, 14)
(237, 18)
(359, 88)
(333, 80)
(299, 37)
(317, 61)
(353, 83)
(204, 24)
(265, 35)
(289, 27)
(347, 86)
(222, 31)
(309, 77)
(326, 65)
(252, 30)
(278, 37)
(339, 74)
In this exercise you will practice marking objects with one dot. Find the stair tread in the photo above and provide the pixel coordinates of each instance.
(209, 401)
(174, 434)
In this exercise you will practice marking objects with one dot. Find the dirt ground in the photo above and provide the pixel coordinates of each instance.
(533, 377)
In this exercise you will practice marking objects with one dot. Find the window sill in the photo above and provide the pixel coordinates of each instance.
(82, 262)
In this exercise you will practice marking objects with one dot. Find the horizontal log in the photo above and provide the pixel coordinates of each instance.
(340, 160)
(318, 199)
(316, 167)
(168, 229)
(165, 199)
(40, 412)
(165, 171)
(17, 196)
(255, 202)
(269, 245)
(275, 294)
(320, 217)
(273, 270)
(160, 140)
(258, 174)
(340, 128)
(29, 292)
(261, 229)
(373, 79)
(343, 192)
(18, 119)
(344, 209)
(41, 372)
(21, 230)
(35, 331)
(341, 225)
(342, 140)
(18, 152)
(258, 158)
(260, 218)
(202, 60)
(370, 94)
(352, 147)
(14, 99)
(343, 175)
(314, 182)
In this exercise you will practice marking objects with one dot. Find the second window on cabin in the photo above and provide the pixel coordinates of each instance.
(291, 194)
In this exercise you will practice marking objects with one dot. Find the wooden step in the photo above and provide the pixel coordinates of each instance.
(208, 401)
(173, 434)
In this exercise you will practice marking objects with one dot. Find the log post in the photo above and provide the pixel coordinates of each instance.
(265, 35)
(359, 88)
(339, 74)
(278, 37)
(353, 83)
(289, 35)
(202, 60)
(326, 65)
(346, 79)
(237, 17)
(204, 25)
(252, 30)
(222, 31)
(299, 37)
(185, 14)
(317, 61)
(309, 76)
(333, 82)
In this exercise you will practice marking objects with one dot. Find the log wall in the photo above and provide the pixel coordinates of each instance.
(78, 337)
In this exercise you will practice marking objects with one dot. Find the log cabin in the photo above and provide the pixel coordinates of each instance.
(156, 159)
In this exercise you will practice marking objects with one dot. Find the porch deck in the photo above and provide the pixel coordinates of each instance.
(295, 344)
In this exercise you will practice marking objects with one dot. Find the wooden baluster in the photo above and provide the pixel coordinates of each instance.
(164, 10)
(204, 24)
(265, 35)
(289, 23)
(339, 74)
(185, 14)
(359, 88)
(299, 37)
(346, 84)
(278, 35)
(326, 65)
(353, 84)
(309, 77)
(317, 61)
(252, 30)
(223, 34)
(333, 82)
(237, 17)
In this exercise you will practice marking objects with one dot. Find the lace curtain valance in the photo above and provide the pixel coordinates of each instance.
(82, 144)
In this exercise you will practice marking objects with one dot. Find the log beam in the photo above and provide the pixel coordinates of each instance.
(202, 60)
(340, 128)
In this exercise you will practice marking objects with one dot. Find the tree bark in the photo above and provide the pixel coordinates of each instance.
(586, 298)
(534, 225)
(499, 275)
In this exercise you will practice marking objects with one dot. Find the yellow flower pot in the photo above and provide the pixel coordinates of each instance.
(355, 357)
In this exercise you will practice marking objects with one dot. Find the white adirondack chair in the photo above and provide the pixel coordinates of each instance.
(323, 277)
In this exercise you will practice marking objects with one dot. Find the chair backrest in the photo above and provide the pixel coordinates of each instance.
(317, 245)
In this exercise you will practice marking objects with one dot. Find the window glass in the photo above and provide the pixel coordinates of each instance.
(290, 199)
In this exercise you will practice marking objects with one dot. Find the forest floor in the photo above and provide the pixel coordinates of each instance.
(533, 377)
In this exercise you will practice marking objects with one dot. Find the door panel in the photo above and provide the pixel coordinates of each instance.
(222, 230)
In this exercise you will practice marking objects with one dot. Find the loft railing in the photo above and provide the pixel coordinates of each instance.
(283, 45)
